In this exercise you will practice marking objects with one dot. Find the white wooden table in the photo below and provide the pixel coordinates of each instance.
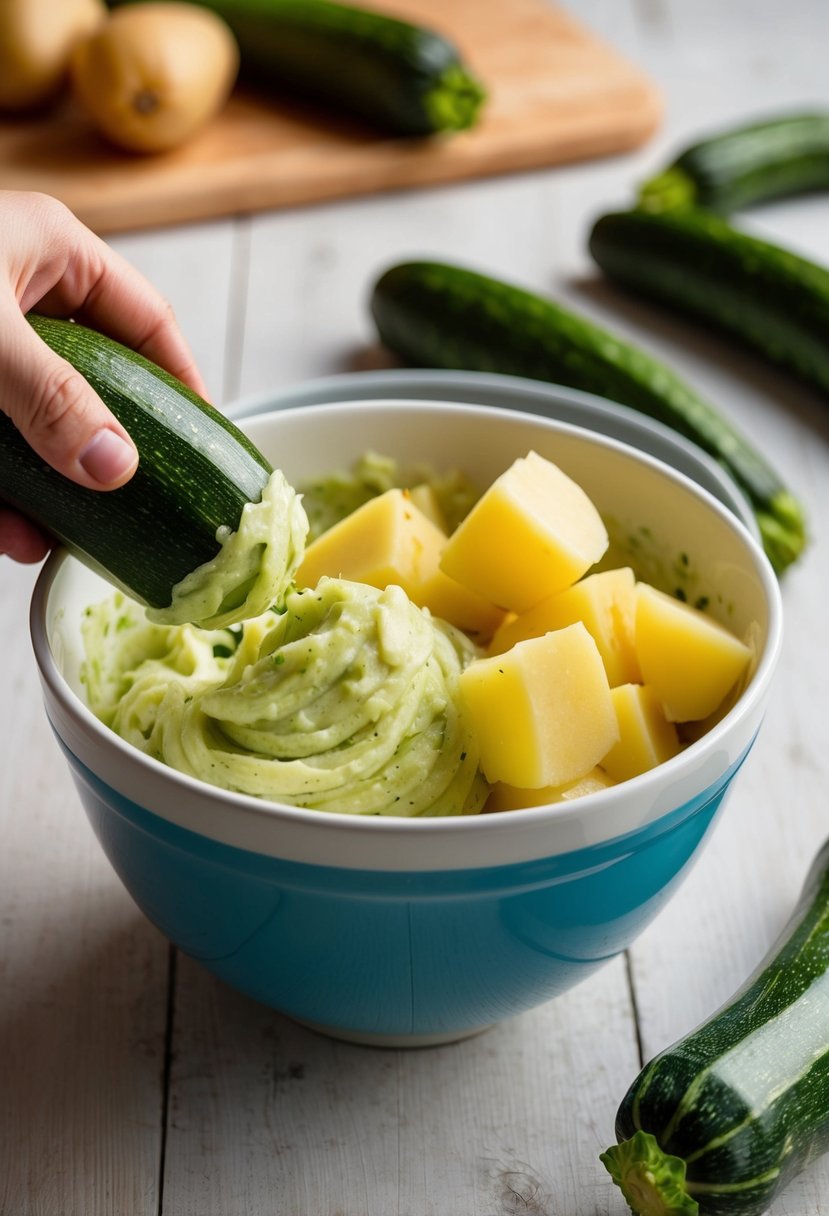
(134, 1084)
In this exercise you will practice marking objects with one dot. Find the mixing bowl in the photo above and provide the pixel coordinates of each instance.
(416, 931)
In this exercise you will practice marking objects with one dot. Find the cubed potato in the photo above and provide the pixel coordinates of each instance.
(387, 541)
(532, 533)
(542, 712)
(384, 541)
(690, 660)
(426, 500)
(511, 798)
(604, 602)
(451, 602)
(646, 737)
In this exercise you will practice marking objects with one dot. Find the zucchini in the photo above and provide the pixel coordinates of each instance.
(437, 315)
(745, 165)
(719, 1123)
(398, 76)
(196, 472)
(766, 297)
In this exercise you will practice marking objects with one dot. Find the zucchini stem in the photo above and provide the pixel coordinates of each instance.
(668, 191)
(652, 1181)
(453, 103)
(782, 530)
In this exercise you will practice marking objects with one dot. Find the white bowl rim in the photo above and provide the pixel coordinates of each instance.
(492, 390)
(358, 831)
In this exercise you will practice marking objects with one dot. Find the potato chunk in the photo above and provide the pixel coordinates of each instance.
(646, 737)
(531, 534)
(689, 659)
(511, 798)
(604, 602)
(542, 712)
(388, 540)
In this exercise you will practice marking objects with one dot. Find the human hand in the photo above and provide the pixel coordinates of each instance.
(49, 261)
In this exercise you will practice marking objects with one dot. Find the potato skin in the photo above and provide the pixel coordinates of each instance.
(36, 41)
(155, 73)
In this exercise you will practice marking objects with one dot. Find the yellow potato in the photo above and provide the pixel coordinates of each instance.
(533, 533)
(36, 42)
(646, 739)
(604, 602)
(154, 74)
(390, 540)
(689, 659)
(542, 712)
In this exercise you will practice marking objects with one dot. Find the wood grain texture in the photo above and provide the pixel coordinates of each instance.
(83, 982)
(261, 1117)
(266, 1115)
(556, 93)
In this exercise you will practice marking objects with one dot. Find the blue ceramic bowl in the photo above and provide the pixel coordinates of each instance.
(401, 931)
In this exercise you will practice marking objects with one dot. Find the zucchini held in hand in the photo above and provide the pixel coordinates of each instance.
(719, 1123)
(398, 76)
(196, 475)
(744, 165)
(437, 315)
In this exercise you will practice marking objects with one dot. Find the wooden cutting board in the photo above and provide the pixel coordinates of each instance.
(557, 93)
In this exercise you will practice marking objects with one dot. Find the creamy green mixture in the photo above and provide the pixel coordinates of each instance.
(347, 700)
(329, 499)
(342, 698)
(253, 569)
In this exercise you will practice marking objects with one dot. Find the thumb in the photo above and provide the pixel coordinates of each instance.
(58, 412)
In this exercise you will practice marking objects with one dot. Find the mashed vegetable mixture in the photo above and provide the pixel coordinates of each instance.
(342, 697)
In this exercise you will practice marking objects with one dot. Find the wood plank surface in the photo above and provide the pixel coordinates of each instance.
(83, 982)
(556, 93)
(105, 1067)
(265, 1114)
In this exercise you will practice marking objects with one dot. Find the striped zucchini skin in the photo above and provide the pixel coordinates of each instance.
(398, 76)
(196, 472)
(743, 1101)
(745, 165)
(437, 315)
(766, 297)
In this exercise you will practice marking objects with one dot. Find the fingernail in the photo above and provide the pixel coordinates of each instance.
(107, 457)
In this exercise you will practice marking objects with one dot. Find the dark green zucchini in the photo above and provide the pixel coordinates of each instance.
(744, 165)
(397, 76)
(196, 472)
(436, 315)
(719, 1123)
(767, 297)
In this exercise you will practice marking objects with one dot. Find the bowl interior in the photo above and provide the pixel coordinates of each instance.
(673, 533)
(659, 521)
(503, 392)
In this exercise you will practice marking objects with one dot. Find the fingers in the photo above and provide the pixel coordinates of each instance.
(20, 539)
(57, 411)
(81, 276)
(51, 262)
(123, 305)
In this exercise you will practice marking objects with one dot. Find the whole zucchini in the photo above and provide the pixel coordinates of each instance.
(196, 472)
(744, 165)
(767, 297)
(400, 77)
(720, 1122)
(437, 315)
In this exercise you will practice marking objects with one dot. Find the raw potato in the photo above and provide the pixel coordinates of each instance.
(542, 712)
(531, 535)
(390, 540)
(512, 798)
(604, 602)
(155, 74)
(689, 659)
(646, 737)
(36, 41)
